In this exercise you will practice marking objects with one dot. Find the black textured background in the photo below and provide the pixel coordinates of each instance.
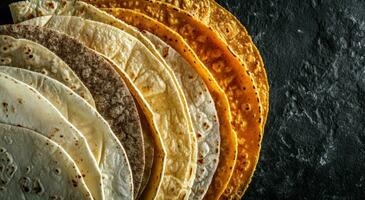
(314, 144)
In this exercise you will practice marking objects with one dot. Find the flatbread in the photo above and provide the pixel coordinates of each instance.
(30, 55)
(203, 113)
(228, 147)
(42, 170)
(112, 97)
(149, 149)
(23, 106)
(233, 77)
(235, 35)
(105, 146)
(157, 86)
(200, 102)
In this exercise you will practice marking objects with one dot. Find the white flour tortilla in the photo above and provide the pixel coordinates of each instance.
(35, 167)
(22, 105)
(105, 146)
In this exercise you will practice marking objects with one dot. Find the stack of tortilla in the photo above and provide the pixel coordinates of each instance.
(128, 99)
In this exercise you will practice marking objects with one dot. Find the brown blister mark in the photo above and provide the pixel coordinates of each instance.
(165, 52)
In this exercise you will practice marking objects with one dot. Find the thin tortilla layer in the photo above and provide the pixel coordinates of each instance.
(23, 106)
(112, 97)
(43, 170)
(33, 56)
(157, 87)
(228, 146)
(232, 75)
(203, 113)
(105, 146)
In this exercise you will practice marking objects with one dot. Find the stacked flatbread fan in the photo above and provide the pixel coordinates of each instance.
(128, 99)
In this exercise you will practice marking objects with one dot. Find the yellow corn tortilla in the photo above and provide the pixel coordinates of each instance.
(156, 85)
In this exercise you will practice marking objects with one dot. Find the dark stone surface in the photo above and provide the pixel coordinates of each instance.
(314, 145)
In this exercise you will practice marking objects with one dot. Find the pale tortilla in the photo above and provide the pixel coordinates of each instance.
(22, 105)
(157, 86)
(33, 56)
(203, 113)
(35, 167)
(105, 146)
(112, 97)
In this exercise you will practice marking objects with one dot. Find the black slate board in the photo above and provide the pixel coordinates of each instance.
(314, 51)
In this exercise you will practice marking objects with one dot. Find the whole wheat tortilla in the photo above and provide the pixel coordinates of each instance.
(35, 167)
(157, 86)
(105, 146)
(22, 105)
(149, 148)
(33, 56)
(112, 97)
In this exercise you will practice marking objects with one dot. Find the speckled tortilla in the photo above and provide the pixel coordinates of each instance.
(42, 170)
(22, 105)
(106, 148)
(156, 84)
(203, 113)
(228, 147)
(24, 53)
(112, 97)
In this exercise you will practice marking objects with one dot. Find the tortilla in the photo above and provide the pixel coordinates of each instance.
(23, 106)
(42, 170)
(105, 146)
(203, 113)
(157, 86)
(228, 146)
(112, 97)
(233, 77)
(27, 54)
(149, 149)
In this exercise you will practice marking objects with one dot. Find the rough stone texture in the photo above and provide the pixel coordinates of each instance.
(314, 144)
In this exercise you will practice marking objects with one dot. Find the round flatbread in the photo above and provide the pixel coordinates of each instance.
(112, 97)
(105, 146)
(202, 111)
(33, 56)
(23, 106)
(156, 85)
(42, 170)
